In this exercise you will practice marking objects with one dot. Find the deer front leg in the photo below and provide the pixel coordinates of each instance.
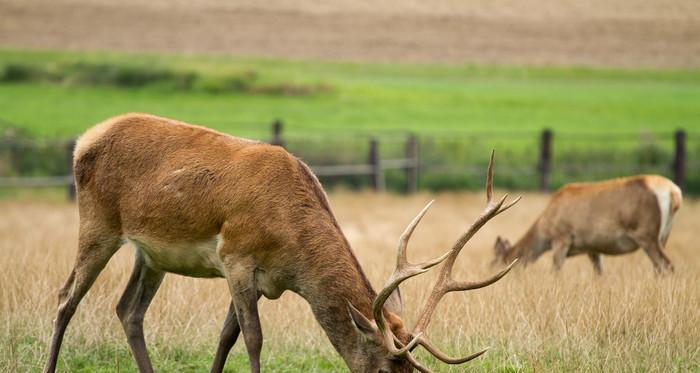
(597, 264)
(241, 280)
(561, 251)
(227, 338)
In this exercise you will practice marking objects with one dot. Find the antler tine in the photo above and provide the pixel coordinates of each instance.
(390, 339)
(406, 235)
(471, 285)
(444, 357)
(489, 178)
(489, 188)
(509, 205)
(402, 260)
(428, 345)
(416, 364)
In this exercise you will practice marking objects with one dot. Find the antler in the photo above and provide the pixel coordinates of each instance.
(444, 284)
(404, 270)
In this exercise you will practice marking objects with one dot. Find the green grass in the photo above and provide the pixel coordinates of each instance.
(116, 357)
(365, 97)
(29, 356)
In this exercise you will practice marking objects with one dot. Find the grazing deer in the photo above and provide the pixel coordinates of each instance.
(611, 217)
(199, 203)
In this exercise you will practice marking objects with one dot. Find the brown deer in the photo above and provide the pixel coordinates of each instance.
(611, 217)
(200, 203)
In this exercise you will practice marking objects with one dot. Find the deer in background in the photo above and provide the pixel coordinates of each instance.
(611, 217)
(199, 203)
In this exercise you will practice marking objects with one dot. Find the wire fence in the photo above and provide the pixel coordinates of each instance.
(406, 162)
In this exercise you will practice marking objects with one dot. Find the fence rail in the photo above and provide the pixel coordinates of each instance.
(409, 163)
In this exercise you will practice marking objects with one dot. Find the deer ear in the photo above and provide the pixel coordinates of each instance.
(506, 245)
(394, 303)
(362, 323)
(499, 246)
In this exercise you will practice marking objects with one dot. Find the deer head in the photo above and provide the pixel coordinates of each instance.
(501, 248)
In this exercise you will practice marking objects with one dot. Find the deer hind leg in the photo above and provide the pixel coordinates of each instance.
(241, 279)
(94, 251)
(597, 264)
(561, 251)
(132, 306)
(653, 249)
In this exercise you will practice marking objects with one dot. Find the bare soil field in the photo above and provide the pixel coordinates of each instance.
(626, 33)
(627, 320)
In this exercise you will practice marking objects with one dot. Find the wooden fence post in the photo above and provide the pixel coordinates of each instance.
(412, 167)
(377, 176)
(277, 133)
(69, 147)
(679, 159)
(545, 165)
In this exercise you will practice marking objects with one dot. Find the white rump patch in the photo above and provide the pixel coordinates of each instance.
(663, 196)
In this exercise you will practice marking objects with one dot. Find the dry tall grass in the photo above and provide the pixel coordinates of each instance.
(627, 320)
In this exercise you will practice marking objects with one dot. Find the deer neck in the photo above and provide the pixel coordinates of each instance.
(329, 285)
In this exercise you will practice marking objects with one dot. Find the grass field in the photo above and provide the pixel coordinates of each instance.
(364, 97)
(628, 320)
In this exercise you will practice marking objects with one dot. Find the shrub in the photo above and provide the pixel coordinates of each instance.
(126, 76)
